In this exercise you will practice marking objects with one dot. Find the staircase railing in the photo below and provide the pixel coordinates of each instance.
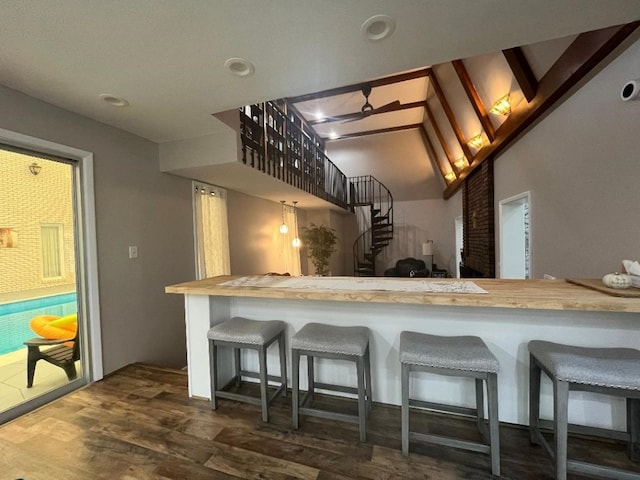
(279, 143)
(366, 190)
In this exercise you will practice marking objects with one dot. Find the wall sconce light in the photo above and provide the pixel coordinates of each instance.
(283, 228)
(476, 141)
(502, 106)
(34, 168)
(461, 163)
(450, 176)
(295, 243)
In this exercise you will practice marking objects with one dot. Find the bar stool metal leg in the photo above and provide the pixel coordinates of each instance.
(213, 359)
(283, 363)
(262, 359)
(237, 365)
(367, 370)
(480, 403)
(362, 401)
(295, 391)
(311, 381)
(561, 425)
(494, 431)
(535, 373)
(405, 409)
(633, 427)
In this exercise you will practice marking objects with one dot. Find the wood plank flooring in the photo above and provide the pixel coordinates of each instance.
(139, 424)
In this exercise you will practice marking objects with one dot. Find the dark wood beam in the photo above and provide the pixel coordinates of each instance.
(373, 132)
(450, 116)
(351, 116)
(582, 56)
(432, 150)
(403, 77)
(474, 98)
(522, 72)
(441, 139)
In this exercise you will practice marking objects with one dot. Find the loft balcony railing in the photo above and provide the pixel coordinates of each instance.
(280, 144)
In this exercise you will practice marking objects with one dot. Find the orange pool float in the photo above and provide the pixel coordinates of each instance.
(54, 327)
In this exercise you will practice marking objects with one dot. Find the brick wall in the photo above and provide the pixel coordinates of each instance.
(478, 219)
(28, 201)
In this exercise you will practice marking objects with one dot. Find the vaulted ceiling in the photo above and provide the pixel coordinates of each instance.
(167, 59)
(467, 109)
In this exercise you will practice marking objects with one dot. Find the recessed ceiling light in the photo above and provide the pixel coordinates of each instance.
(114, 100)
(378, 27)
(239, 66)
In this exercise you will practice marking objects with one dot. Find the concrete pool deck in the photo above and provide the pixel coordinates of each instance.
(13, 379)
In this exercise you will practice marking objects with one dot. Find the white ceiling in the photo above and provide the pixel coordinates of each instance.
(166, 57)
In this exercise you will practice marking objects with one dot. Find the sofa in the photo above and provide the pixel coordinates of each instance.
(408, 267)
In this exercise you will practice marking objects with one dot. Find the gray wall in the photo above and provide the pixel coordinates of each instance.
(135, 205)
(582, 166)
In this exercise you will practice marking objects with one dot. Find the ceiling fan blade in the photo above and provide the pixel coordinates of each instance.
(389, 107)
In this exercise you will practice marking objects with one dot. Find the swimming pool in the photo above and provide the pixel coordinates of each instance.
(15, 317)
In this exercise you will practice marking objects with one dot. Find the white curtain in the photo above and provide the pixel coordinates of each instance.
(212, 231)
(290, 254)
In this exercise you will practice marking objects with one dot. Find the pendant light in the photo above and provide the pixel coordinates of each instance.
(283, 228)
(296, 243)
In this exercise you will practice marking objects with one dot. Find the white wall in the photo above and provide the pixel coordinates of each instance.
(415, 222)
(582, 166)
(399, 160)
(135, 205)
(255, 241)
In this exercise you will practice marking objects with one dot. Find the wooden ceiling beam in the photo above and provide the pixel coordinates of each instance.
(356, 87)
(474, 98)
(441, 139)
(374, 132)
(450, 116)
(432, 150)
(351, 116)
(582, 56)
(522, 72)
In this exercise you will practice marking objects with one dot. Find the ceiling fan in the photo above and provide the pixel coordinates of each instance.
(367, 109)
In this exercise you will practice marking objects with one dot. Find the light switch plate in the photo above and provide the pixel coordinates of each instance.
(133, 251)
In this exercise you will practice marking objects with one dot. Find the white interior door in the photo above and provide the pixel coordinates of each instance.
(515, 237)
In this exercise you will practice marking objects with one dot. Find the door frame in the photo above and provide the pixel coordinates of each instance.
(526, 196)
(87, 248)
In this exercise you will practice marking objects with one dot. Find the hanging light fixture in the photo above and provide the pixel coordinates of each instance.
(283, 228)
(296, 243)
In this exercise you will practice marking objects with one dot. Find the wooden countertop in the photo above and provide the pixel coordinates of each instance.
(529, 294)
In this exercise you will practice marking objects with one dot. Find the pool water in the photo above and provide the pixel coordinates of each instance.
(15, 318)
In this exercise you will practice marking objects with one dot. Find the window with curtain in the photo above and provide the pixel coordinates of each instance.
(212, 232)
(291, 254)
(52, 255)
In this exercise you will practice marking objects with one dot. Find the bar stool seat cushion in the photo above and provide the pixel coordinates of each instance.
(243, 330)
(604, 367)
(319, 337)
(458, 353)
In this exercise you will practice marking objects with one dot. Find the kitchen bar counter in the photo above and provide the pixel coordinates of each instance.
(530, 294)
(507, 317)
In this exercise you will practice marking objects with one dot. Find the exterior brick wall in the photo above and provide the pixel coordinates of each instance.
(478, 218)
(27, 202)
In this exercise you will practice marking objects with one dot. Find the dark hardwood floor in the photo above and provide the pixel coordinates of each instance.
(139, 423)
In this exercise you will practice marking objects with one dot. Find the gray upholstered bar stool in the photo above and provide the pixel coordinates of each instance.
(463, 356)
(239, 333)
(612, 371)
(316, 340)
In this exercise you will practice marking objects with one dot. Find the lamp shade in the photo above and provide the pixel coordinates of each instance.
(427, 248)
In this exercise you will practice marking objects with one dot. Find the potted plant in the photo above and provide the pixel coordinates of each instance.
(320, 242)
